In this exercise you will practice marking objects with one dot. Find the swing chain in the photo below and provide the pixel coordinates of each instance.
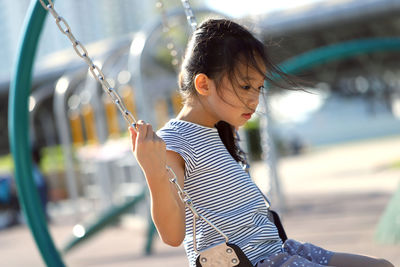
(48, 6)
(189, 204)
(189, 14)
(167, 29)
(96, 72)
(182, 194)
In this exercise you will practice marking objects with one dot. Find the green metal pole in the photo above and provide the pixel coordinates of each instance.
(18, 118)
(338, 51)
(107, 217)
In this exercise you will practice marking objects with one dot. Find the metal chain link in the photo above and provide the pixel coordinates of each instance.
(188, 203)
(93, 68)
(100, 77)
(116, 98)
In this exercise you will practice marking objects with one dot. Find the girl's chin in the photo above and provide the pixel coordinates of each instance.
(237, 123)
(240, 124)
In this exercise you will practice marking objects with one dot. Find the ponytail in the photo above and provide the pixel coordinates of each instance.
(227, 134)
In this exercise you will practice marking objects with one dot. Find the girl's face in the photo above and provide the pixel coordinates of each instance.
(236, 101)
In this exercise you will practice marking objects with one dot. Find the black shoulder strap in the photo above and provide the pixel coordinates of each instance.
(275, 218)
(278, 224)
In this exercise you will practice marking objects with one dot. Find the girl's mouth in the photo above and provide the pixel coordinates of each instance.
(247, 116)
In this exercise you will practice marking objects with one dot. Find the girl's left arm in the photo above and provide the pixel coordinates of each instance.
(167, 209)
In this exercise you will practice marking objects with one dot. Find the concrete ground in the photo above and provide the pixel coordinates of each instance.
(334, 197)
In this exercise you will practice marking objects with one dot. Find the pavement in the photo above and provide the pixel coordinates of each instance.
(334, 197)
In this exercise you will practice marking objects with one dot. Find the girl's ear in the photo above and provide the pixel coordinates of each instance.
(202, 83)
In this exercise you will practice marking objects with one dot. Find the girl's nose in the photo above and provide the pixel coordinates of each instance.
(252, 101)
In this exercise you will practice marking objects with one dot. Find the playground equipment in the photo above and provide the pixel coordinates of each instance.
(74, 106)
(18, 118)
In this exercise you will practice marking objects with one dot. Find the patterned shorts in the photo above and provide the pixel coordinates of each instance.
(296, 254)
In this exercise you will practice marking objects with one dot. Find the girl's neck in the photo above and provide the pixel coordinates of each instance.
(195, 112)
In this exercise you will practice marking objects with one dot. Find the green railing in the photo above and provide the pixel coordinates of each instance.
(18, 120)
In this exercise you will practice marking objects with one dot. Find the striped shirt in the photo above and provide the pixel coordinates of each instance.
(222, 192)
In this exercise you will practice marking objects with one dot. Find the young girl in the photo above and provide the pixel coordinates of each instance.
(222, 75)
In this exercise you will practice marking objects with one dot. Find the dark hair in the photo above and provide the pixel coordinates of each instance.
(215, 49)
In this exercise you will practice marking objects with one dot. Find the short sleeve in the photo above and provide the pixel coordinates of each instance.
(178, 143)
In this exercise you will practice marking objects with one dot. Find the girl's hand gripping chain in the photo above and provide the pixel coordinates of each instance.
(168, 211)
(148, 148)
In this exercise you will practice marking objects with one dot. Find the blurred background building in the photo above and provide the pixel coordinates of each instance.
(91, 20)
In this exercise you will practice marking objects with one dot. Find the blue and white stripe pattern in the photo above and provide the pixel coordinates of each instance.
(222, 192)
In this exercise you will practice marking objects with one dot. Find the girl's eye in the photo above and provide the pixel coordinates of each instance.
(248, 87)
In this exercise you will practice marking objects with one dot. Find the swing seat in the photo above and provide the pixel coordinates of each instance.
(222, 254)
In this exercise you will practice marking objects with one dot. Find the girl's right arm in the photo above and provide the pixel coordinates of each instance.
(167, 210)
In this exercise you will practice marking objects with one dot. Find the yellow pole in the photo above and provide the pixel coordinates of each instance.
(76, 128)
(128, 96)
(161, 110)
(177, 102)
(88, 119)
(111, 116)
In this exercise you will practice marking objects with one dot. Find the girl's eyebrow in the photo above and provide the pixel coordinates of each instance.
(250, 78)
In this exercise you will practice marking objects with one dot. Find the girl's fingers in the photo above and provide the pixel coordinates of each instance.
(144, 135)
(132, 131)
(149, 134)
(142, 130)
(133, 135)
